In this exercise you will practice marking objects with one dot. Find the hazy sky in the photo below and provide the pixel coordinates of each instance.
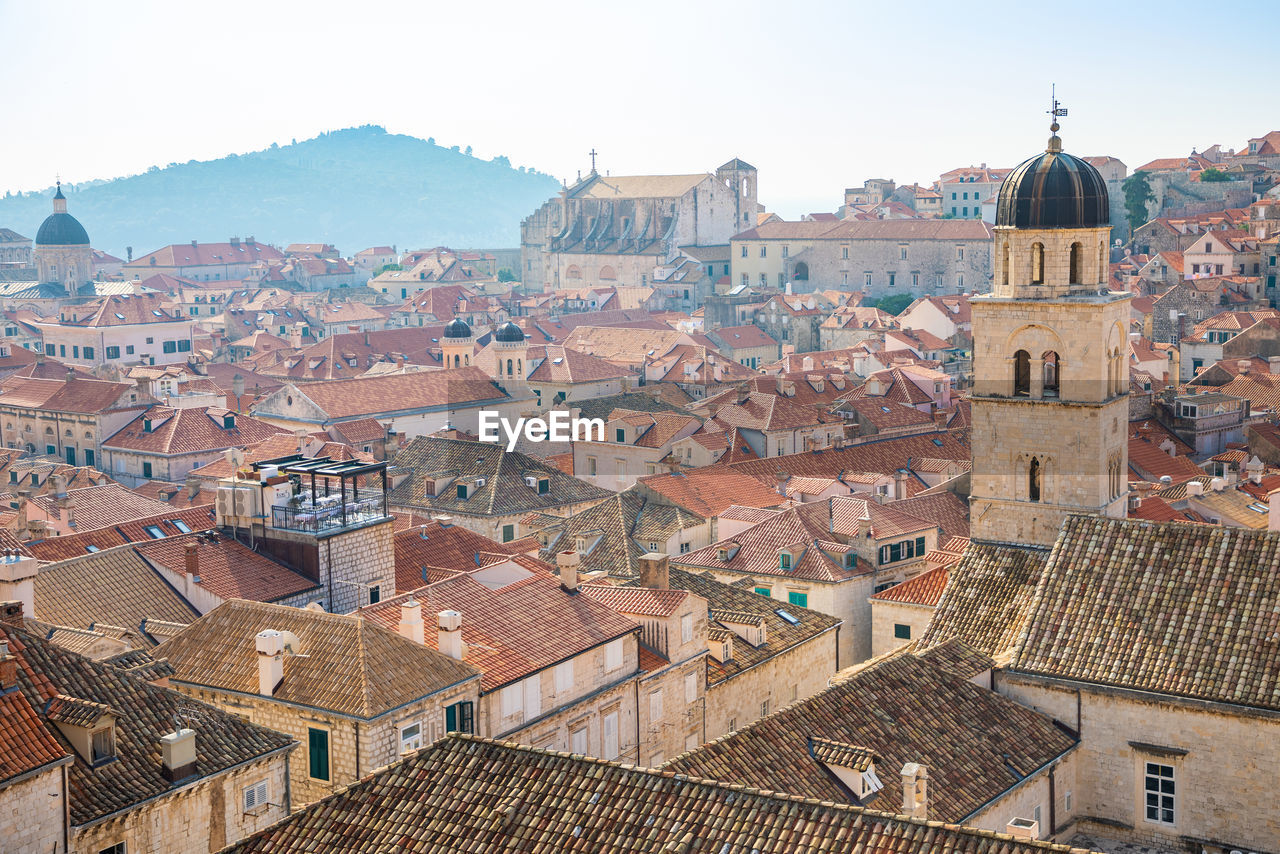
(817, 95)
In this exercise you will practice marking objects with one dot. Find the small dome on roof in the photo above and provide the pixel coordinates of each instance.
(1053, 190)
(457, 328)
(509, 333)
(61, 228)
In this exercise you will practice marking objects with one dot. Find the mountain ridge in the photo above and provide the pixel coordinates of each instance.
(354, 187)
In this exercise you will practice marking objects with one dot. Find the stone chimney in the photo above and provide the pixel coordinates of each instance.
(178, 754)
(1255, 467)
(191, 555)
(568, 562)
(193, 487)
(899, 484)
(655, 570)
(410, 625)
(17, 580)
(450, 640)
(270, 645)
(915, 791)
(1023, 828)
(8, 668)
(1273, 364)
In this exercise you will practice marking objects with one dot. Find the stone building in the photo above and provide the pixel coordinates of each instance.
(68, 419)
(15, 250)
(1049, 358)
(102, 760)
(355, 695)
(617, 229)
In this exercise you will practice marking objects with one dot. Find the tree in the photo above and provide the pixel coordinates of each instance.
(1213, 175)
(894, 303)
(1137, 195)
(505, 275)
(385, 268)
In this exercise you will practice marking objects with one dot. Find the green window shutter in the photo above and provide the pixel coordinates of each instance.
(468, 723)
(508, 533)
(901, 632)
(764, 591)
(451, 718)
(146, 469)
(801, 599)
(318, 752)
(919, 546)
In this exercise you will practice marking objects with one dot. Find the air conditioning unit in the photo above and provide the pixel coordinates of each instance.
(531, 482)
(480, 482)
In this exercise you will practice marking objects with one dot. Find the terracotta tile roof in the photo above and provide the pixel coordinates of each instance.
(512, 631)
(121, 310)
(959, 658)
(504, 491)
(924, 589)
(619, 530)
(228, 569)
(739, 337)
(884, 413)
(1151, 463)
(209, 254)
(346, 664)
(25, 744)
(883, 456)
(387, 395)
(114, 586)
(199, 518)
(588, 805)
(977, 744)
(361, 431)
(102, 506)
(281, 445)
(986, 599)
(189, 431)
(145, 713)
(432, 546)
(646, 601)
(1124, 603)
(566, 365)
(81, 396)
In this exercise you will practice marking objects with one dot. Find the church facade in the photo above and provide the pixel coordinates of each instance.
(1050, 397)
(614, 230)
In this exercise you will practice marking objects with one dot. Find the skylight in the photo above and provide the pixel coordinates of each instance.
(789, 617)
(119, 316)
(157, 312)
(180, 525)
(154, 532)
(557, 361)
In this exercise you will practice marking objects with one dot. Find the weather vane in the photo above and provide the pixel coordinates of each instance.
(1057, 110)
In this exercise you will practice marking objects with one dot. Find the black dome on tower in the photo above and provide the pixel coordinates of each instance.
(509, 333)
(457, 328)
(1053, 190)
(61, 228)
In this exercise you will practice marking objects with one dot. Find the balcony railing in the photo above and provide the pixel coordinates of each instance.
(329, 512)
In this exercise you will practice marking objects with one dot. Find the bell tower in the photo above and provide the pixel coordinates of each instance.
(1050, 399)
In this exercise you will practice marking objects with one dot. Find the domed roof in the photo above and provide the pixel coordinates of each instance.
(1053, 190)
(61, 228)
(509, 333)
(457, 328)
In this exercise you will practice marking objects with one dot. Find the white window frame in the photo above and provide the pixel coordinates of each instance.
(255, 796)
(1162, 797)
(410, 741)
(686, 628)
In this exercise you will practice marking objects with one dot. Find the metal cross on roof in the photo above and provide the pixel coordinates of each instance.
(593, 158)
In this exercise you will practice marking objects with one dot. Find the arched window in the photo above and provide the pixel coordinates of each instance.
(1037, 263)
(1022, 373)
(1077, 251)
(573, 272)
(1050, 374)
(801, 273)
(1033, 479)
(509, 371)
(607, 273)
(520, 366)
(457, 361)
(466, 360)
(1004, 271)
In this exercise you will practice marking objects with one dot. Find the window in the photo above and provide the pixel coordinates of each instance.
(154, 532)
(684, 548)
(764, 591)
(919, 546)
(375, 594)
(578, 740)
(690, 687)
(610, 727)
(966, 196)
(184, 346)
(460, 717)
(844, 252)
(1159, 788)
(255, 796)
(892, 278)
(462, 490)
(959, 253)
(795, 598)
(532, 696)
(62, 350)
(51, 450)
(113, 352)
(88, 352)
(170, 346)
(104, 744)
(784, 561)
(508, 533)
(764, 709)
(764, 251)
(902, 253)
(512, 700)
(146, 470)
(613, 655)
(866, 279)
(564, 676)
(50, 350)
(744, 250)
(128, 348)
(591, 465)
(118, 848)
(901, 632)
(182, 526)
(655, 705)
(318, 753)
(686, 629)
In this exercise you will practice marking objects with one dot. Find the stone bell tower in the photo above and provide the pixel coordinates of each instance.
(1050, 358)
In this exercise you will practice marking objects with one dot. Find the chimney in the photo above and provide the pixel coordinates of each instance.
(411, 620)
(655, 570)
(193, 487)
(1195, 487)
(568, 561)
(1273, 364)
(450, 640)
(1218, 484)
(915, 791)
(270, 645)
(807, 363)
(8, 668)
(1024, 828)
(17, 580)
(192, 558)
(194, 244)
(1273, 510)
(899, 484)
(178, 754)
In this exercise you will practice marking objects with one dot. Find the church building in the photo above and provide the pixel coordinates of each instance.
(614, 230)
(1050, 395)
(62, 252)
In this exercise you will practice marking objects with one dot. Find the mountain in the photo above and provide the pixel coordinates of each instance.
(353, 188)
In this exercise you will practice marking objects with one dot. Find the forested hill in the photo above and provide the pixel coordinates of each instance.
(353, 188)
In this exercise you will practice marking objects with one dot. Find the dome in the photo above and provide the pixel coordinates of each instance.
(61, 228)
(509, 333)
(1053, 190)
(457, 328)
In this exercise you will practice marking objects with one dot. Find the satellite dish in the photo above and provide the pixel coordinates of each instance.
(292, 645)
